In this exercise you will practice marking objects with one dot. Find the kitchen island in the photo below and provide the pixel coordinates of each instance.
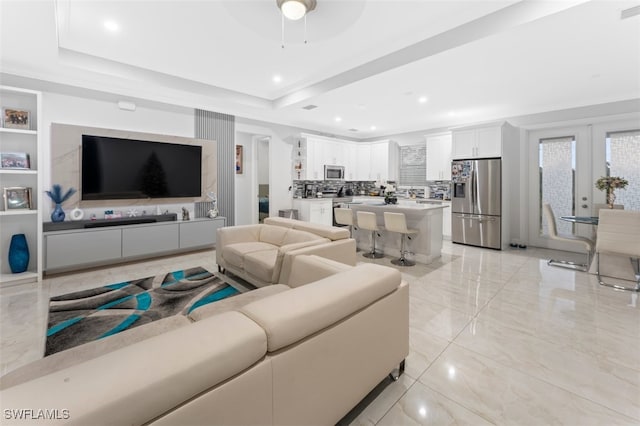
(426, 218)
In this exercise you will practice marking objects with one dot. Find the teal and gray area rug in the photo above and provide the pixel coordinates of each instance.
(88, 315)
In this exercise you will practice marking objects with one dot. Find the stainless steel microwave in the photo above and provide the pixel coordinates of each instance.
(333, 172)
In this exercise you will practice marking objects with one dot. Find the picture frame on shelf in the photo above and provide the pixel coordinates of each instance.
(15, 160)
(14, 118)
(17, 198)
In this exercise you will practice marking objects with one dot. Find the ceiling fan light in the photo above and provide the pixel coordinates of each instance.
(296, 9)
(293, 9)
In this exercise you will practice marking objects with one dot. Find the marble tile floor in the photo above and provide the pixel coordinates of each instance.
(497, 337)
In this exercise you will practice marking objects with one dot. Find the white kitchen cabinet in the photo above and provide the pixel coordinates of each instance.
(446, 221)
(321, 152)
(363, 161)
(439, 156)
(22, 138)
(385, 161)
(315, 210)
(350, 161)
(481, 142)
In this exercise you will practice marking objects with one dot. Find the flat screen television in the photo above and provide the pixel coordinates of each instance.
(114, 169)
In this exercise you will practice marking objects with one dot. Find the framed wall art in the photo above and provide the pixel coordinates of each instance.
(14, 160)
(17, 198)
(13, 118)
(239, 159)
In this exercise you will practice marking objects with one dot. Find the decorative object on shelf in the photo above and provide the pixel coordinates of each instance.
(18, 254)
(110, 214)
(17, 198)
(213, 212)
(15, 160)
(185, 214)
(58, 215)
(76, 214)
(609, 184)
(14, 118)
(239, 159)
(389, 190)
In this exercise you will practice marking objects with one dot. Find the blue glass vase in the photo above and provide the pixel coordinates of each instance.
(18, 254)
(57, 215)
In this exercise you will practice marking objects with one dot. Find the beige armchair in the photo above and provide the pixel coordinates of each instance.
(619, 235)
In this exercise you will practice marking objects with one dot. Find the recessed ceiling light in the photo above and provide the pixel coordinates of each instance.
(111, 26)
(373, 127)
(277, 79)
(338, 119)
(422, 99)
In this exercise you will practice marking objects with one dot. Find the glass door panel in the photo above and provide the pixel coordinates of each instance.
(560, 175)
(622, 155)
(557, 164)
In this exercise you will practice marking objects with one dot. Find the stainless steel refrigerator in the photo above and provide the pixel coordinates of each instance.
(476, 202)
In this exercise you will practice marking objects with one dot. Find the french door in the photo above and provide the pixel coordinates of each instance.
(560, 174)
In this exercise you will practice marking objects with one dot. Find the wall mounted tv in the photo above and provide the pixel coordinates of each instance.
(114, 169)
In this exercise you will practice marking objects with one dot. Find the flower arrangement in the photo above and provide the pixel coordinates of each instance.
(56, 196)
(609, 184)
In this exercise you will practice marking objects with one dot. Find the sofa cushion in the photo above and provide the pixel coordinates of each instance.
(302, 311)
(91, 350)
(331, 232)
(261, 264)
(140, 381)
(235, 253)
(272, 234)
(235, 302)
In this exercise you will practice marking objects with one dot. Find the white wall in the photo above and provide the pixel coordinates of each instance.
(244, 185)
(263, 161)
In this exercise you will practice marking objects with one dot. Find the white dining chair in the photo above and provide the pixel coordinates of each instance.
(619, 235)
(582, 242)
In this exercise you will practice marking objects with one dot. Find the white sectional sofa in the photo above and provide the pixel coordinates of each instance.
(290, 356)
(263, 254)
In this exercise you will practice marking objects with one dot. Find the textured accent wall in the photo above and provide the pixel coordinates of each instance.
(66, 142)
(221, 128)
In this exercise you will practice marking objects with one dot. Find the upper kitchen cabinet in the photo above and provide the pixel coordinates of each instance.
(363, 161)
(439, 156)
(385, 161)
(321, 152)
(480, 142)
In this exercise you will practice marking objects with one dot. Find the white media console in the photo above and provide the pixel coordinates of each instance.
(89, 244)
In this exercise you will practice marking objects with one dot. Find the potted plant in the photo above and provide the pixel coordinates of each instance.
(609, 184)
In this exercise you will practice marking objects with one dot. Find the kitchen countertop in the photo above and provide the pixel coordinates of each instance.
(413, 207)
(369, 197)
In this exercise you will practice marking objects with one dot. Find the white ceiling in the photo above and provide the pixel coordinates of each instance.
(367, 62)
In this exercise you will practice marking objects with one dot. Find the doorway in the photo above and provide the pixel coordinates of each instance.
(262, 155)
(560, 175)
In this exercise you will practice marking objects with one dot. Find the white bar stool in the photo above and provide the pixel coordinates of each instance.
(397, 222)
(344, 217)
(369, 221)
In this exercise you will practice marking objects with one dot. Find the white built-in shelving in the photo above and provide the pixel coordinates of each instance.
(22, 221)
